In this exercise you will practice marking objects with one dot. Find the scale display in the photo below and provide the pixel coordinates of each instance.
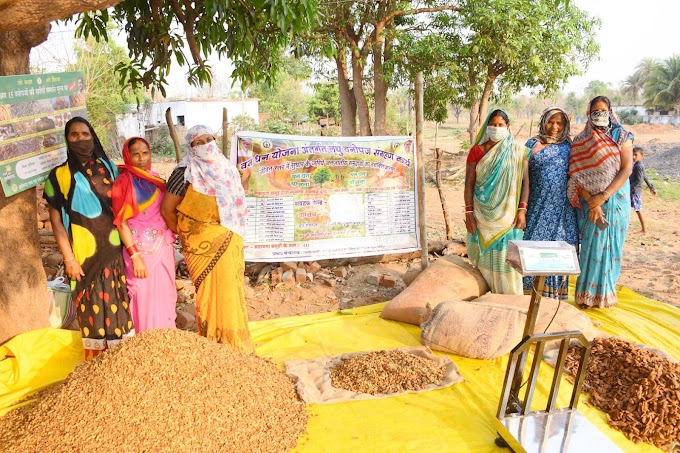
(543, 258)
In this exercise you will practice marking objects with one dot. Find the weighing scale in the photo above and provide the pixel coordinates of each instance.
(553, 429)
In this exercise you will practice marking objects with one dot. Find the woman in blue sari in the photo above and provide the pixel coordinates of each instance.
(496, 194)
(550, 216)
(601, 162)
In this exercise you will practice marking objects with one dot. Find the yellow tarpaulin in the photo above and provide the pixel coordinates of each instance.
(456, 419)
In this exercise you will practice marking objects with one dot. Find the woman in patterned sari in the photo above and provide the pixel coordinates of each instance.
(550, 216)
(79, 194)
(496, 195)
(600, 164)
(205, 204)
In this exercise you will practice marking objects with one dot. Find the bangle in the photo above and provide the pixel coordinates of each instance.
(469, 212)
(132, 250)
(70, 260)
(521, 209)
(468, 207)
(134, 254)
(606, 195)
(523, 205)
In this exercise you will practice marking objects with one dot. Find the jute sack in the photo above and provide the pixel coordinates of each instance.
(451, 278)
(492, 325)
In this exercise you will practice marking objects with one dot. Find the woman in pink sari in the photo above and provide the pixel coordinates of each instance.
(149, 254)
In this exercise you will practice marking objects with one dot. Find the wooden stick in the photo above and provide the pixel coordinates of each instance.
(173, 135)
(442, 195)
(420, 171)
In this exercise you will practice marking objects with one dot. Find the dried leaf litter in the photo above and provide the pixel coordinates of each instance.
(637, 388)
(384, 372)
(163, 390)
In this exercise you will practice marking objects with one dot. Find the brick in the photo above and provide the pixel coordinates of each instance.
(374, 278)
(313, 267)
(300, 275)
(340, 272)
(388, 281)
(289, 266)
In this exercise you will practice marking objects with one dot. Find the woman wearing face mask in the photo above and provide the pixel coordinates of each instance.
(550, 216)
(79, 195)
(496, 195)
(205, 204)
(600, 164)
(149, 253)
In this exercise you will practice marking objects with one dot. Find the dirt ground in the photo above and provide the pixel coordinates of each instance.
(651, 263)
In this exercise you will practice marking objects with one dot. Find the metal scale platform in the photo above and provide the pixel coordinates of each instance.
(553, 429)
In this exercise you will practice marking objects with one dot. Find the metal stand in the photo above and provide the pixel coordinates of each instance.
(553, 429)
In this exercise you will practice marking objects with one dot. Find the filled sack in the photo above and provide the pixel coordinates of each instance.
(450, 278)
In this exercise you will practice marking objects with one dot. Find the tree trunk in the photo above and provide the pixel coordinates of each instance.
(379, 84)
(348, 105)
(473, 125)
(442, 195)
(23, 291)
(359, 95)
(480, 109)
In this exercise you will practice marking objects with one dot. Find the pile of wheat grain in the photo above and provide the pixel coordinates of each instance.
(384, 372)
(162, 390)
(637, 388)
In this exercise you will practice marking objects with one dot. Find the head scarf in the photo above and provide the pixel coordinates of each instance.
(135, 189)
(210, 173)
(595, 156)
(543, 135)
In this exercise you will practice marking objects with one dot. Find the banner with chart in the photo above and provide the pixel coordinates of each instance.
(315, 198)
(33, 111)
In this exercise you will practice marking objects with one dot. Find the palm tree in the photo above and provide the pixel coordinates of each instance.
(632, 86)
(662, 88)
(644, 69)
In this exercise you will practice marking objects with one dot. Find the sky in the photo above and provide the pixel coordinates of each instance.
(631, 30)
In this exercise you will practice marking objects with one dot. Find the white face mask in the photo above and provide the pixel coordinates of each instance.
(207, 151)
(497, 134)
(600, 119)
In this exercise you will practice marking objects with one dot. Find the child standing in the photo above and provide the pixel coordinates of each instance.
(637, 176)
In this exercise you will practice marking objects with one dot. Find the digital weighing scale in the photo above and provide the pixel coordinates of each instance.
(553, 429)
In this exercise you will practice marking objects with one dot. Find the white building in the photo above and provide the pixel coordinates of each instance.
(185, 113)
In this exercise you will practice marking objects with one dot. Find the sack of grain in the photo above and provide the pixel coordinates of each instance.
(493, 324)
(451, 278)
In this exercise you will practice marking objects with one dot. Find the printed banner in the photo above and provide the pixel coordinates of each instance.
(315, 198)
(33, 111)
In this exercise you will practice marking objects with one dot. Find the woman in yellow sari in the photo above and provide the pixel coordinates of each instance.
(205, 204)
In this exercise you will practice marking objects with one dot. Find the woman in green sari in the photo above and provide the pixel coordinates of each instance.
(496, 195)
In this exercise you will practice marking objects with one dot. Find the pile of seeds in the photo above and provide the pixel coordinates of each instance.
(384, 372)
(637, 388)
(163, 390)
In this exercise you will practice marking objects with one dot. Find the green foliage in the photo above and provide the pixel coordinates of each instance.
(628, 116)
(105, 98)
(465, 145)
(321, 175)
(662, 87)
(667, 188)
(243, 122)
(276, 126)
(576, 105)
(325, 102)
(162, 144)
(251, 34)
(599, 88)
(437, 94)
(284, 98)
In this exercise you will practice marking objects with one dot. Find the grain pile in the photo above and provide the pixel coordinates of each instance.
(382, 372)
(637, 388)
(163, 390)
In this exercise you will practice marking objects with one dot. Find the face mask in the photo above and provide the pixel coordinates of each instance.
(83, 150)
(497, 134)
(207, 151)
(600, 119)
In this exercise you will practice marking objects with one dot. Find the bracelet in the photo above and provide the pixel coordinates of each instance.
(523, 205)
(521, 209)
(469, 207)
(606, 195)
(69, 260)
(132, 250)
(134, 254)
(469, 212)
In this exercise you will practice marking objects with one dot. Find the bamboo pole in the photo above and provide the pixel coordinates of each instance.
(442, 195)
(173, 135)
(420, 171)
(225, 133)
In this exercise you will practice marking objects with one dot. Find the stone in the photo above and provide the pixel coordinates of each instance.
(47, 225)
(310, 277)
(374, 278)
(289, 266)
(300, 275)
(185, 320)
(388, 281)
(329, 281)
(52, 259)
(340, 272)
(288, 278)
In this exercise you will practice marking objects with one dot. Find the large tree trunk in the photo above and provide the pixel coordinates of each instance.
(379, 84)
(359, 94)
(348, 105)
(23, 302)
(480, 108)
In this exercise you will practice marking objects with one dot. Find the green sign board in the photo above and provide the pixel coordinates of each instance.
(33, 111)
